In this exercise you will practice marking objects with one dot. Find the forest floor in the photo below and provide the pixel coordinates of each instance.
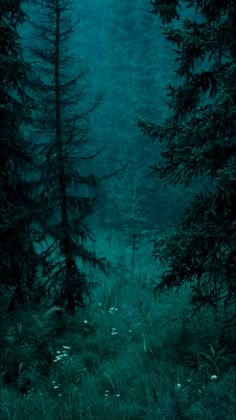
(127, 356)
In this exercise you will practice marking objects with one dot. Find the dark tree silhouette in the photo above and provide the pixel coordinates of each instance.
(18, 260)
(200, 140)
(61, 125)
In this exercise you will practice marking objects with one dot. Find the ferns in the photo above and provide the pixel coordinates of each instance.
(211, 362)
(27, 349)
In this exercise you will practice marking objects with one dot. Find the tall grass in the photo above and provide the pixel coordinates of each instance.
(126, 357)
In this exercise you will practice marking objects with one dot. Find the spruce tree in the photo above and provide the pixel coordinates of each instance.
(199, 141)
(61, 126)
(18, 260)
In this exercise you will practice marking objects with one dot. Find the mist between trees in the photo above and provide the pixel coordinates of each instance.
(117, 210)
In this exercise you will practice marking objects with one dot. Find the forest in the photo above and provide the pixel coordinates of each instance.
(117, 209)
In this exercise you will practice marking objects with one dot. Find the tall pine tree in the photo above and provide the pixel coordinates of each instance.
(200, 142)
(61, 124)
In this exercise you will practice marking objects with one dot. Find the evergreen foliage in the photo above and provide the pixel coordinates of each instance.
(200, 143)
(18, 260)
(61, 121)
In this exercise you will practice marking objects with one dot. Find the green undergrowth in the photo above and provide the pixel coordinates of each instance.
(137, 359)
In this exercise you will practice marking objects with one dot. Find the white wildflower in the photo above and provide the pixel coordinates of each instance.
(213, 377)
(112, 309)
(60, 355)
(114, 331)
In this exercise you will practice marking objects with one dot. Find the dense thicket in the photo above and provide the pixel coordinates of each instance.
(200, 143)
